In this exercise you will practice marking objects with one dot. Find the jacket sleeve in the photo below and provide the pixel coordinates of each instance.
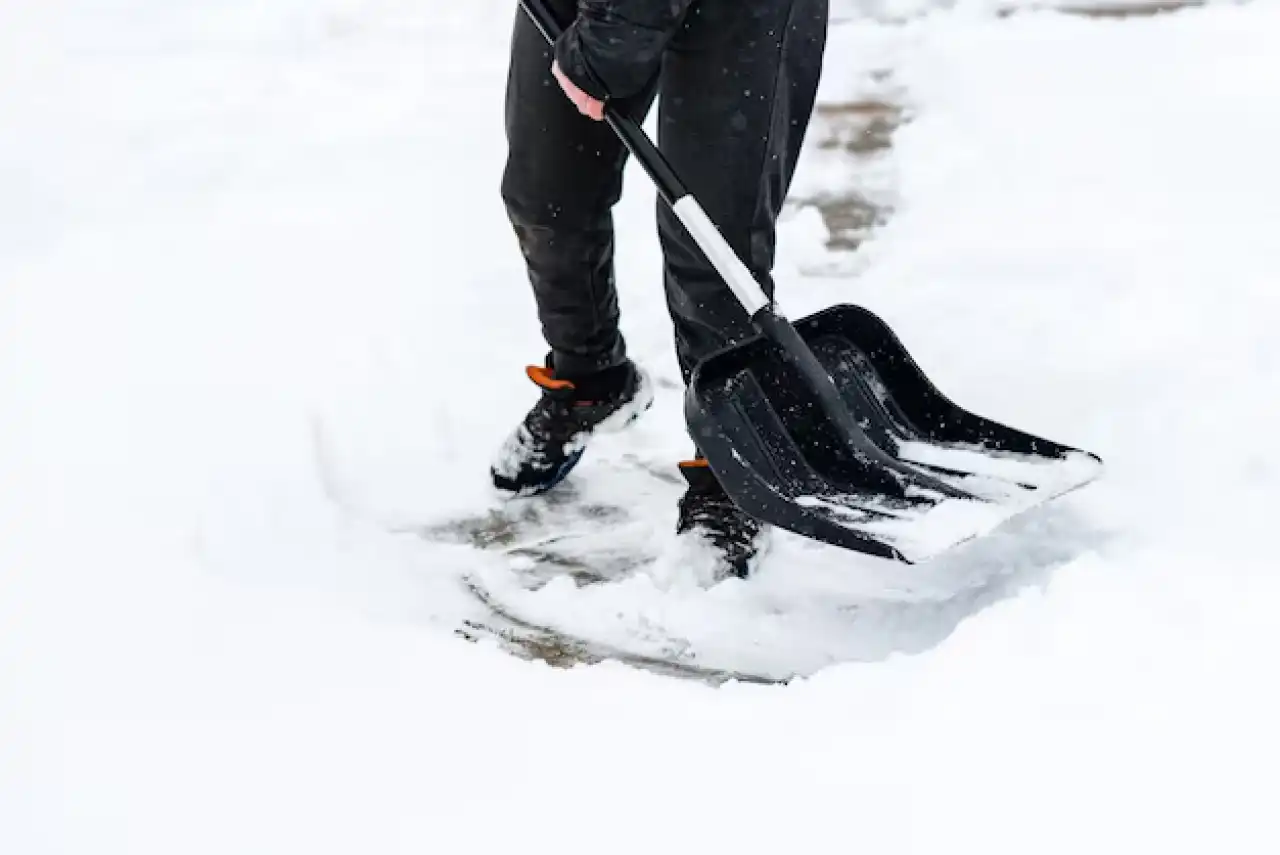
(614, 47)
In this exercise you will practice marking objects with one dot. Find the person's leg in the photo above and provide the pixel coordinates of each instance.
(562, 178)
(737, 93)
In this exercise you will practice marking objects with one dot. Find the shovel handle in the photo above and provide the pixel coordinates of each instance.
(672, 190)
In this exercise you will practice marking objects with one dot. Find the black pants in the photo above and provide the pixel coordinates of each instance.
(736, 92)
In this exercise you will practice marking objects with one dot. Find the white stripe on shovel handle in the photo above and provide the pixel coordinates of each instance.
(721, 255)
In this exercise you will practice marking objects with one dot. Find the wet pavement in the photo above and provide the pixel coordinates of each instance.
(862, 130)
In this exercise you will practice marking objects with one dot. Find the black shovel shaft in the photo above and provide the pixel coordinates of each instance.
(670, 188)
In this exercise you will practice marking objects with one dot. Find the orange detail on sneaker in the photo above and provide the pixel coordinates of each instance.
(700, 463)
(544, 378)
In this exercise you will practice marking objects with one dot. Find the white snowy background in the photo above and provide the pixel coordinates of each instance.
(253, 260)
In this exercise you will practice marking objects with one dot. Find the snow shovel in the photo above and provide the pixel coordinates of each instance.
(828, 428)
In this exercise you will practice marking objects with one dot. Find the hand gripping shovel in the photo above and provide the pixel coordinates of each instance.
(829, 429)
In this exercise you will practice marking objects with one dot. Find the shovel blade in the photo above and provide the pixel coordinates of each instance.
(783, 461)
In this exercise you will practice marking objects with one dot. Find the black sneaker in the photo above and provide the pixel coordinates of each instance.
(706, 511)
(553, 436)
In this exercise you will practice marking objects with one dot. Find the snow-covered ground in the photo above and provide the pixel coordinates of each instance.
(259, 306)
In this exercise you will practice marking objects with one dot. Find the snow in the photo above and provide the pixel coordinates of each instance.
(261, 317)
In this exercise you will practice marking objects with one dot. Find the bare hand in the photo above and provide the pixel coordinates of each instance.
(587, 106)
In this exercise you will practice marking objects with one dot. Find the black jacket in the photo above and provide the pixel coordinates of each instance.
(614, 47)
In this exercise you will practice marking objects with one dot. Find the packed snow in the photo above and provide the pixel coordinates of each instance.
(263, 326)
